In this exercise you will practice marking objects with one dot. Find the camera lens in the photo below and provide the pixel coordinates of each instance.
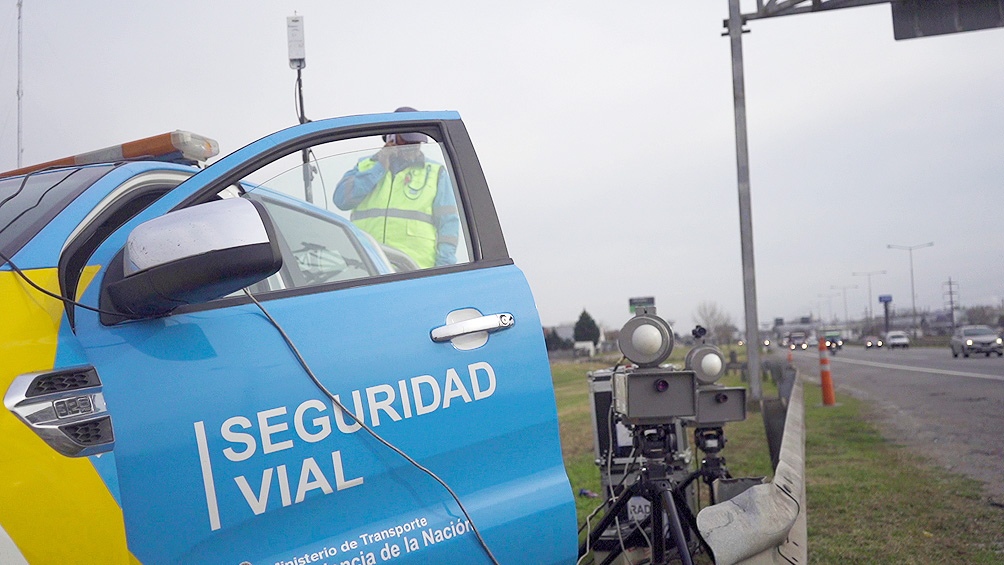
(661, 385)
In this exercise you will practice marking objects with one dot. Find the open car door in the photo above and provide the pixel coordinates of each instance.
(230, 444)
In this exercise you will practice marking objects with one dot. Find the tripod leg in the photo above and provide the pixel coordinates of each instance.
(688, 516)
(675, 527)
(658, 539)
(608, 518)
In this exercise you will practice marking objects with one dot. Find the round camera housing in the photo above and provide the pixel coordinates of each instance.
(646, 340)
(707, 363)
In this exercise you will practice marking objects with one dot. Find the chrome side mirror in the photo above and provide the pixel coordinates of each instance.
(192, 256)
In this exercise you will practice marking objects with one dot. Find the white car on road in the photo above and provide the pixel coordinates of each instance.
(896, 339)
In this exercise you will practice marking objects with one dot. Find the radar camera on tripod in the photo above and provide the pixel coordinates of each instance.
(640, 415)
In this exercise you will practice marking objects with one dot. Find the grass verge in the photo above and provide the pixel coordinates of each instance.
(869, 501)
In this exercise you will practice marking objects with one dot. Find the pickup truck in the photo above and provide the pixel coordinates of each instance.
(217, 365)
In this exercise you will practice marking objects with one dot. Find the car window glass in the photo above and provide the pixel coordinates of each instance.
(363, 207)
(324, 250)
(28, 203)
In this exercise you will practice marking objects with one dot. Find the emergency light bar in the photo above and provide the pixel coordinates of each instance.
(177, 146)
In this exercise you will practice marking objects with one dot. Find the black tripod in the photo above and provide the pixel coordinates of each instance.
(711, 441)
(655, 485)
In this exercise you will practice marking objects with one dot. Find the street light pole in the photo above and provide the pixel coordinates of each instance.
(829, 304)
(844, 290)
(869, 275)
(913, 295)
(735, 32)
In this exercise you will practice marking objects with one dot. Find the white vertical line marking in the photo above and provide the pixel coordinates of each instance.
(207, 476)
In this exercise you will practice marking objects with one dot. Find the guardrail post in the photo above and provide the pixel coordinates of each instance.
(825, 379)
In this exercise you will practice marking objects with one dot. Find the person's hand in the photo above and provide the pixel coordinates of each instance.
(383, 156)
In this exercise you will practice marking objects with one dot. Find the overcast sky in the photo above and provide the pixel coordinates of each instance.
(605, 129)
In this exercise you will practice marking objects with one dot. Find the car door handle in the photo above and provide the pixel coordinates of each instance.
(489, 323)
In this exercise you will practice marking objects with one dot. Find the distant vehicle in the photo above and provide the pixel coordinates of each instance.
(976, 339)
(797, 340)
(896, 339)
(872, 341)
(833, 340)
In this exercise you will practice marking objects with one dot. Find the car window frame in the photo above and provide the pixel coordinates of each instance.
(474, 202)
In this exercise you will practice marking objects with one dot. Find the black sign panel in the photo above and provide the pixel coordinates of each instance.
(920, 18)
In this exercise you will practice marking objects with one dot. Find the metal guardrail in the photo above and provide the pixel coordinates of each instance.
(766, 523)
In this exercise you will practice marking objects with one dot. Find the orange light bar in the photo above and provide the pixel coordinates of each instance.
(190, 146)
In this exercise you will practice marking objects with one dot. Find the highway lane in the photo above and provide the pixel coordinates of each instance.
(951, 409)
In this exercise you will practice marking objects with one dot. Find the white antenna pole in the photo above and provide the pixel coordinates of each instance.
(19, 91)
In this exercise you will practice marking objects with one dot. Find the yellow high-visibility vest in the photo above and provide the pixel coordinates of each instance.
(399, 211)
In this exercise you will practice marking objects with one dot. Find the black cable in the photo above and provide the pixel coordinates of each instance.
(20, 187)
(24, 183)
(65, 300)
(296, 90)
(392, 447)
(324, 188)
(298, 98)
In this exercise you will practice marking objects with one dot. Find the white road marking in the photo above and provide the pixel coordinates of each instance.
(917, 369)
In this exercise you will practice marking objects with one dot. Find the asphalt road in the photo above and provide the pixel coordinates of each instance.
(949, 409)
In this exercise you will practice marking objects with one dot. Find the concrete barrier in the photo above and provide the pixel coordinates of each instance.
(766, 523)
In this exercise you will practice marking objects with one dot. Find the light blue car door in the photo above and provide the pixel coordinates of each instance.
(226, 449)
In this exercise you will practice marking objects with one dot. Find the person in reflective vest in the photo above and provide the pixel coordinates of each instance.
(404, 200)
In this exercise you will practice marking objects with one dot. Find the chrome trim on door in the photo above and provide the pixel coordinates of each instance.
(490, 323)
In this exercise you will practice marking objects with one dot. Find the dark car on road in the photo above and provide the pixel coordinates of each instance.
(798, 340)
(976, 339)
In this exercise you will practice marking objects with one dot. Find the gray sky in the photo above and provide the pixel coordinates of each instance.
(605, 130)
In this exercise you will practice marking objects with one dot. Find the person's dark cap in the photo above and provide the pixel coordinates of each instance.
(410, 137)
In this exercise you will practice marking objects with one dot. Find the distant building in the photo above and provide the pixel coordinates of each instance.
(584, 349)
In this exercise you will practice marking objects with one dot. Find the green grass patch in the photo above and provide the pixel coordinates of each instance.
(869, 501)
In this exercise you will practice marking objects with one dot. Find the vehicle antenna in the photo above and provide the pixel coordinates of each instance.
(20, 92)
(298, 61)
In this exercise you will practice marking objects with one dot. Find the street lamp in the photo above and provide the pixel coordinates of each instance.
(913, 296)
(844, 290)
(869, 275)
(829, 297)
